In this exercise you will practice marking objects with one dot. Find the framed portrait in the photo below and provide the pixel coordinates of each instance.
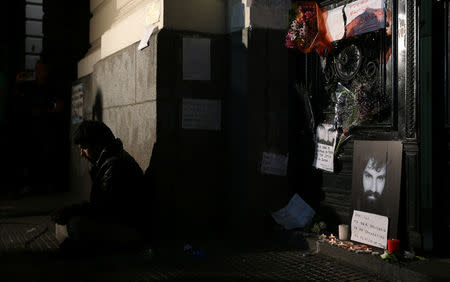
(376, 179)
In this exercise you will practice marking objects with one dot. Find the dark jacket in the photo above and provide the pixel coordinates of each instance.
(117, 192)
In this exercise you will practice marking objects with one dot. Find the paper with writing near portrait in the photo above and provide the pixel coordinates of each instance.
(325, 143)
(370, 228)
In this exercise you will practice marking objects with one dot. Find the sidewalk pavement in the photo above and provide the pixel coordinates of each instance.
(432, 269)
(36, 205)
(28, 252)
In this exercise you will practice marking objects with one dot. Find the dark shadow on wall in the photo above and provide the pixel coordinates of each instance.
(191, 161)
(97, 108)
(303, 178)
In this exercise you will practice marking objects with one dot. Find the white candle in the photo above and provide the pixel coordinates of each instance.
(343, 232)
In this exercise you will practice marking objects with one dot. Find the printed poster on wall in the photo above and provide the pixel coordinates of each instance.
(196, 58)
(325, 141)
(361, 16)
(376, 178)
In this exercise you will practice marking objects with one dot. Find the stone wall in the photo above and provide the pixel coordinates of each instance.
(121, 92)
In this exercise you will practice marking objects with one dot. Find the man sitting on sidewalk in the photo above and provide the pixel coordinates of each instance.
(113, 215)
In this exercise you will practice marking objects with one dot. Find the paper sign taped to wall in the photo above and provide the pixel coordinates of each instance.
(196, 58)
(147, 34)
(296, 214)
(274, 164)
(335, 24)
(201, 114)
(370, 229)
(325, 143)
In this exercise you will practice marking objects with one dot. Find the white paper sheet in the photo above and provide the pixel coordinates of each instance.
(335, 24)
(296, 214)
(201, 114)
(144, 41)
(274, 164)
(370, 229)
(196, 59)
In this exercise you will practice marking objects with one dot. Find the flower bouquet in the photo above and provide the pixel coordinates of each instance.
(307, 28)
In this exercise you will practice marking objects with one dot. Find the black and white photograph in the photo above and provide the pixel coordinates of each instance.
(326, 134)
(377, 167)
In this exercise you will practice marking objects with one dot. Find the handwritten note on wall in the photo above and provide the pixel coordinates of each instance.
(369, 228)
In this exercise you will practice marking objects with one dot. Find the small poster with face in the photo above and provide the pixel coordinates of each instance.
(377, 167)
(325, 143)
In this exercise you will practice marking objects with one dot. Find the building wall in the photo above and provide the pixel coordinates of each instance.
(257, 116)
(192, 170)
(210, 181)
(116, 24)
(122, 94)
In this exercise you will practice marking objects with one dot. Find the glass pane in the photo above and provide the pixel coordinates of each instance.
(34, 12)
(33, 28)
(33, 45)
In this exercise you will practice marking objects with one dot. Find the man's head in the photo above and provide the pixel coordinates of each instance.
(326, 134)
(92, 137)
(374, 179)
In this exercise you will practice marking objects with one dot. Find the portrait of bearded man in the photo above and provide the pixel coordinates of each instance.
(376, 179)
